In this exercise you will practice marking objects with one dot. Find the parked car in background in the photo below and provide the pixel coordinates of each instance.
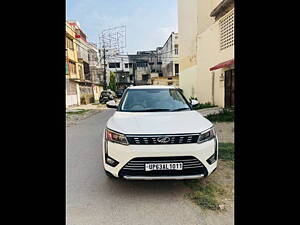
(120, 93)
(106, 96)
(156, 134)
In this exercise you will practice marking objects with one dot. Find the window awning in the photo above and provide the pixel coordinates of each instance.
(222, 65)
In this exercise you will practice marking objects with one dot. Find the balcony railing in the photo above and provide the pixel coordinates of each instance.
(79, 55)
(142, 82)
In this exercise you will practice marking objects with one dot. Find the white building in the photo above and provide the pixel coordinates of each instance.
(169, 56)
(119, 64)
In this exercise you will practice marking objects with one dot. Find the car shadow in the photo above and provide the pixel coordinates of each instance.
(146, 188)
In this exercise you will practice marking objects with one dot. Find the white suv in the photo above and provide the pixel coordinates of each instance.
(155, 134)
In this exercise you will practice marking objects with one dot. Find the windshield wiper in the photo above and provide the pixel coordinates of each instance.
(180, 109)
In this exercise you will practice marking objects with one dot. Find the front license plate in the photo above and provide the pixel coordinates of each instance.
(163, 166)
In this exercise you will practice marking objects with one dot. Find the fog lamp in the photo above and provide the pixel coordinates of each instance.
(110, 161)
(211, 159)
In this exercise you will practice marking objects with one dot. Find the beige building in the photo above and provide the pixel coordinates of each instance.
(206, 50)
(169, 58)
(72, 87)
(171, 81)
(82, 48)
(95, 70)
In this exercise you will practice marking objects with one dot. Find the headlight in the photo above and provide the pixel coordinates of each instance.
(206, 135)
(115, 137)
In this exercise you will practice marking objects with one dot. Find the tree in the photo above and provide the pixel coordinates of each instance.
(112, 81)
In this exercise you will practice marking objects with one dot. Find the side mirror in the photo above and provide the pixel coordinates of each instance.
(111, 104)
(194, 102)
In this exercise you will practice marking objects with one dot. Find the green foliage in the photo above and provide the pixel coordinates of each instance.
(81, 111)
(112, 82)
(204, 106)
(87, 99)
(204, 193)
(193, 98)
(209, 192)
(225, 115)
(226, 151)
(201, 105)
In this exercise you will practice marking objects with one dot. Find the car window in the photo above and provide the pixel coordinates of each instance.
(147, 100)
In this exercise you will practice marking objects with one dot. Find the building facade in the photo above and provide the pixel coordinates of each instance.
(206, 50)
(169, 56)
(95, 72)
(145, 65)
(169, 63)
(164, 80)
(72, 87)
(85, 79)
(119, 65)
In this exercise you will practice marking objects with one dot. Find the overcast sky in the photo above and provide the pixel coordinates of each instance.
(148, 22)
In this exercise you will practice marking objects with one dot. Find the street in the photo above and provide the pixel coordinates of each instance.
(93, 198)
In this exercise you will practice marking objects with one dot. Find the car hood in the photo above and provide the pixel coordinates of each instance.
(158, 122)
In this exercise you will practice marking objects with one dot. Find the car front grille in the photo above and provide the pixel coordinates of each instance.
(166, 139)
(136, 166)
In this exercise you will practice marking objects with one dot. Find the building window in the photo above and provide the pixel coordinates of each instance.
(145, 77)
(141, 64)
(130, 65)
(72, 67)
(80, 72)
(226, 24)
(176, 49)
(176, 69)
(69, 43)
(114, 65)
(126, 65)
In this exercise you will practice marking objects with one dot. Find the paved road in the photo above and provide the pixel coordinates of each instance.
(94, 199)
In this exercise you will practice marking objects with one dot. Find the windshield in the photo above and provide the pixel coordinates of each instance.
(153, 100)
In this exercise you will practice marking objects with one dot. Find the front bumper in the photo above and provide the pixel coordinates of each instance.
(186, 177)
(124, 154)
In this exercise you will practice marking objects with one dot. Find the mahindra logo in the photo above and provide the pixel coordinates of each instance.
(163, 140)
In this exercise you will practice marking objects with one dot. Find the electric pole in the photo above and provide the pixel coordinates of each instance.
(104, 74)
(133, 70)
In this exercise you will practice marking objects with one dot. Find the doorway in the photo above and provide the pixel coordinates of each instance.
(229, 88)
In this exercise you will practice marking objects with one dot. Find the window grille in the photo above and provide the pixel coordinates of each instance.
(226, 24)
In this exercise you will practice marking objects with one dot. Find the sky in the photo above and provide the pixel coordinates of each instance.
(149, 23)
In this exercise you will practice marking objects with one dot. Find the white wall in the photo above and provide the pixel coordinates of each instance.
(71, 100)
(199, 50)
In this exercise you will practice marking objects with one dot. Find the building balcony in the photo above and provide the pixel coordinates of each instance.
(143, 82)
(71, 54)
(79, 56)
(153, 75)
(69, 31)
(93, 63)
(73, 76)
